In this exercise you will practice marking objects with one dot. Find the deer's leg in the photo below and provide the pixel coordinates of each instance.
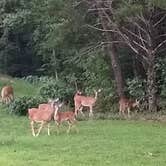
(120, 110)
(74, 125)
(76, 109)
(5, 100)
(70, 125)
(124, 112)
(128, 111)
(80, 110)
(11, 97)
(48, 131)
(32, 128)
(77, 130)
(58, 126)
(41, 126)
(91, 111)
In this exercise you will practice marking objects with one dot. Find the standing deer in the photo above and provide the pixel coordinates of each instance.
(126, 105)
(81, 101)
(68, 116)
(43, 115)
(7, 94)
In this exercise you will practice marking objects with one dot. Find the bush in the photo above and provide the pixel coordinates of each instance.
(136, 87)
(57, 89)
(21, 105)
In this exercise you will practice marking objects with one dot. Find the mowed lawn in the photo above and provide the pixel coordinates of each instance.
(98, 143)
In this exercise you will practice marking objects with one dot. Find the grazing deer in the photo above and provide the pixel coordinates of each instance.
(7, 94)
(81, 101)
(126, 105)
(67, 116)
(43, 115)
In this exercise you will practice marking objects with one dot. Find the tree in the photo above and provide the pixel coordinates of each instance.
(110, 49)
(144, 33)
(141, 26)
(16, 52)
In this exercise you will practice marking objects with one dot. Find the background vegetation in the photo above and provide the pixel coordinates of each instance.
(70, 44)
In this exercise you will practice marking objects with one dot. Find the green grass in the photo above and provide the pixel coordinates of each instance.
(98, 143)
(21, 88)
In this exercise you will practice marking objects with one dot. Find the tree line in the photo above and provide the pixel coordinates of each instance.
(115, 44)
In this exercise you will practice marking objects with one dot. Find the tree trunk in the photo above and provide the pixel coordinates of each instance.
(113, 59)
(152, 85)
(112, 53)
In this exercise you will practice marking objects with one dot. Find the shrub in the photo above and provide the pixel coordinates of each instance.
(106, 103)
(136, 87)
(20, 106)
(57, 89)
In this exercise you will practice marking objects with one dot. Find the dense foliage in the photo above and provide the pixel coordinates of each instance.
(65, 45)
(20, 105)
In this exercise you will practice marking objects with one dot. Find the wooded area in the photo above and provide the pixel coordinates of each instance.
(116, 45)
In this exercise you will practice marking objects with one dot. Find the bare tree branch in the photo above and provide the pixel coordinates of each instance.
(139, 45)
(133, 34)
(163, 35)
(156, 49)
(97, 9)
(100, 29)
(127, 41)
(161, 19)
(139, 27)
(142, 40)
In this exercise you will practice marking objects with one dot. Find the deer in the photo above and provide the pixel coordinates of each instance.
(81, 101)
(126, 104)
(66, 116)
(7, 94)
(46, 105)
(43, 115)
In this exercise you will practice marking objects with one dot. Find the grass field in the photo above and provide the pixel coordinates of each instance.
(98, 143)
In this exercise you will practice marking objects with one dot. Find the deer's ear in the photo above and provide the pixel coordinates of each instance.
(78, 92)
(99, 90)
(60, 105)
(57, 99)
(50, 100)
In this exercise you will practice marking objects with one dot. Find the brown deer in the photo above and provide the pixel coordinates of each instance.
(7, 94)
(67, 116)
(44, 106)
(126, 104)
(43, 115)
(81, 101)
